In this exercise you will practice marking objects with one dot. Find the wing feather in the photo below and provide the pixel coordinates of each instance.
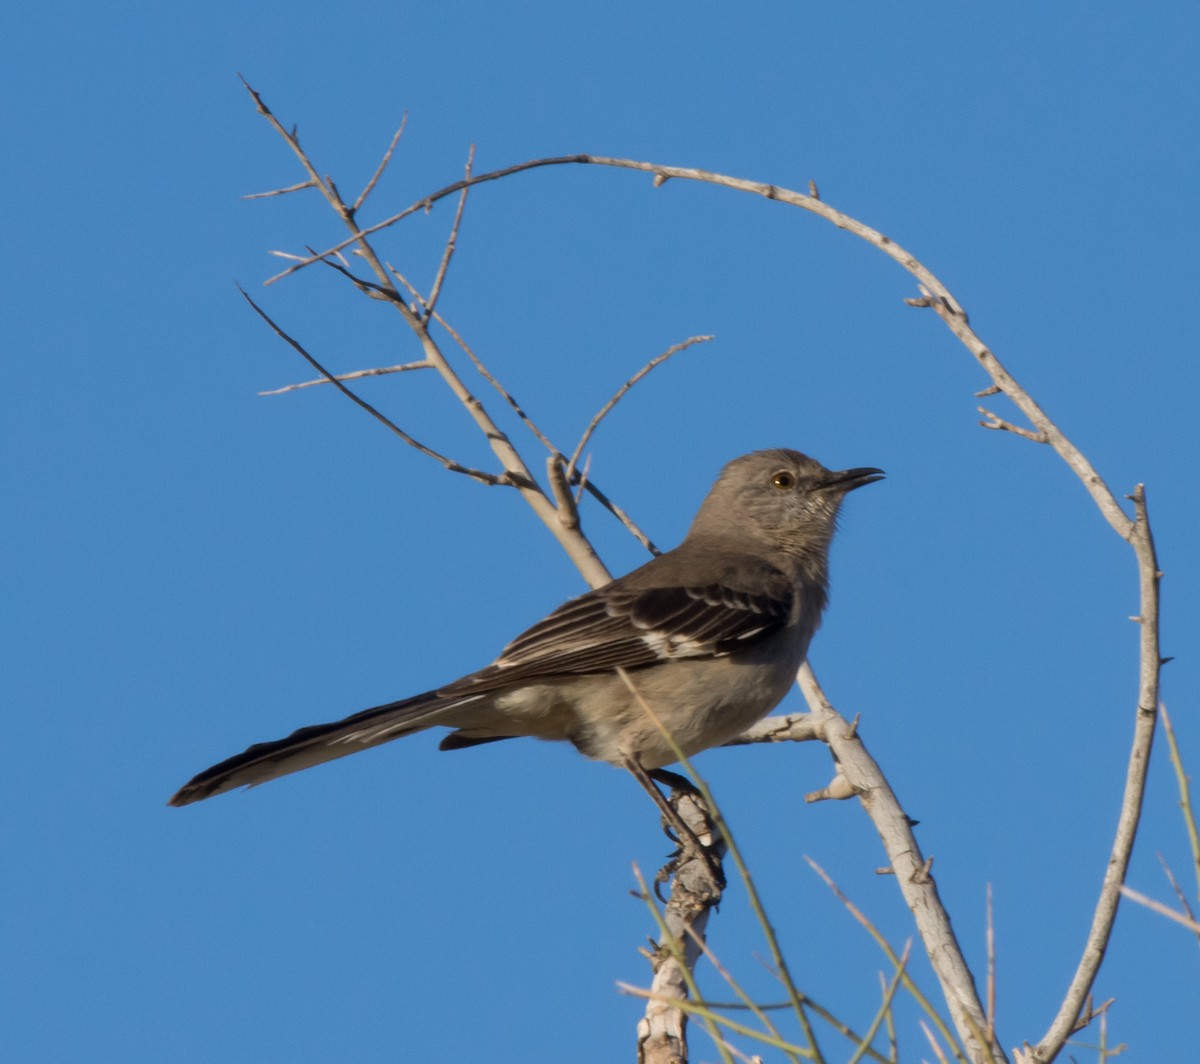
(624, 626)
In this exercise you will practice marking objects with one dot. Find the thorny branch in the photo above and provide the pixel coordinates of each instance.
(860, 773)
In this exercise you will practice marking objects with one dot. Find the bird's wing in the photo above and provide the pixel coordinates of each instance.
(629, 626)
(624, 625)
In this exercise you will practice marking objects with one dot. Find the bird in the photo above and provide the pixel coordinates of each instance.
(708, 636)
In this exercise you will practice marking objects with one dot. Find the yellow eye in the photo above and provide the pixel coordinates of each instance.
(784, 480)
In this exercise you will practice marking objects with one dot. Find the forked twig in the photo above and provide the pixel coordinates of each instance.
(576, 546)
(451, 241)
(449, 463)
(604, 411)
(383, 164)
(994, 421)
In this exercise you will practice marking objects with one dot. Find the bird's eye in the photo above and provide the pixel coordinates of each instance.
(784, 480)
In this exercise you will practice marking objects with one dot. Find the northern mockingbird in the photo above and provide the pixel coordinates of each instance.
(711, 635)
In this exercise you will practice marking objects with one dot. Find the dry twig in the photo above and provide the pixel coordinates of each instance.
(606, 409)
(378, 371)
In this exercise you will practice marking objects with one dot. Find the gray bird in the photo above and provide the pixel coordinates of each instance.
(711, 635)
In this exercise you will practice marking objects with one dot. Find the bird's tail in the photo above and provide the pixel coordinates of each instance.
(317, 743)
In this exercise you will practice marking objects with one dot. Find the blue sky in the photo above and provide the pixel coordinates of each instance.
(190, 567)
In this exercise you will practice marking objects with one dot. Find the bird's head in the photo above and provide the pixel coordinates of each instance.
(781, 499)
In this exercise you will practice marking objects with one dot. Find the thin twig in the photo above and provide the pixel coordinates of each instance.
(622, 516)
(487, 375)
(585, 484)
(1161, 909)
(783, 728)
(746, 1001)
(991, 970)
(451, 241)
(449, 463)
(885, 1008)
(994, 421)
(916, 884)
(425, 204)
(383, 163)
(357, 374)
(842, 1028)
(886, 946)
(937, 1049)
(281, 191)
(576, 546)
(1185, 794)
(893, 1044)
(1184, 904)
(603, 412)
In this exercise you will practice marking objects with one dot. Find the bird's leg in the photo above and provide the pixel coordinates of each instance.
(677, 828)
(675, 781)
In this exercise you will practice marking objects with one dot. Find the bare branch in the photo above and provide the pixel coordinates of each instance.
(1150, 662)
(383, 163)
(891, 954)
(568, 512)
(590, 487)
(449, 463)
(451, 241)
(1184, 904)
(426, 203)
(1185, 796)
(1161, 909)
(991, 969)
(327, 187)
(357, 374)
(580, 479)
(487, 375)
(784, 728)
(529, 423)
(885, 1009)
(658, 360)
(996, 422)
(577, 547)
(281, 191)
(908, 862)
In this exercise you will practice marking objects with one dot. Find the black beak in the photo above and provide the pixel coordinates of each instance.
(849, 479)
